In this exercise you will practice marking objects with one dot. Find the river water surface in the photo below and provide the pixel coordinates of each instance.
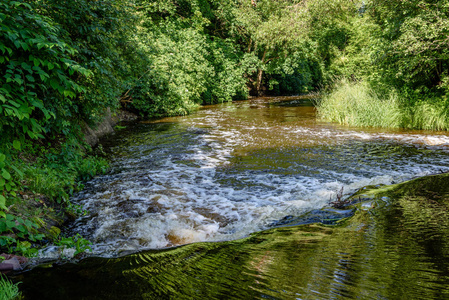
(226, 179)
(233, 169)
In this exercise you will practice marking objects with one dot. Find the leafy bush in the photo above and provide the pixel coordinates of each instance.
(185, 68)
(58, 173)
(36, 71)
(37, 89)
(103, 33)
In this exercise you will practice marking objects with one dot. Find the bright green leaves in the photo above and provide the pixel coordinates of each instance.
(2, 205)
(23, 229)
(104, 55)
(16, 144)
(36, 84)
(7, 184)
(186, 64)
(412, 47)
(5, 174)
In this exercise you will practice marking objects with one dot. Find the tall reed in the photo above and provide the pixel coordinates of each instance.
(430, 115)
(357, 104)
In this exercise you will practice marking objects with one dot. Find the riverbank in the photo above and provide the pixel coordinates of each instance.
(39, 207)
(44, 177)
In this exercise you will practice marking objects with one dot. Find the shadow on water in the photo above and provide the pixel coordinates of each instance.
(395, 246)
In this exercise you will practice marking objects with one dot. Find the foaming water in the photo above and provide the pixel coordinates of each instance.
(233, 169)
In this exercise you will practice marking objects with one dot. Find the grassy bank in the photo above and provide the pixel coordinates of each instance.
(358, 104)
(41, 178)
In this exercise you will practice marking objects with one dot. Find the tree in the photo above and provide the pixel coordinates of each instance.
(268, 31)
(415, 48)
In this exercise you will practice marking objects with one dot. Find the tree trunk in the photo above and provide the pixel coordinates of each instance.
(259, 75)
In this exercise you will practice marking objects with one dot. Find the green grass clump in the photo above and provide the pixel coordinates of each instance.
(357, 104)
(8, 290)
(58, 180)
(429, 115)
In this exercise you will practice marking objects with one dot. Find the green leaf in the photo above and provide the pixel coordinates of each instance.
(10, 224)
(54, 84)
(6, 175)
(2, 201)
(18, 80)
(16, 144)
(21, 228)
(14, 103)
(2, 157)
(20, 173)
(70, 94)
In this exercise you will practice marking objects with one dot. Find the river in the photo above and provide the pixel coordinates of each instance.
(212, 179)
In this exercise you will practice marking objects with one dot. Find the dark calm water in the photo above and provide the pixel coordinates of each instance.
(223, 179)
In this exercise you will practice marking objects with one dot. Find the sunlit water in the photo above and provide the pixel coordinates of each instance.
(232, 170)
(229, 170)
(391, 248)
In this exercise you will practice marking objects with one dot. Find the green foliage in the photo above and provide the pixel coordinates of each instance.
(20, 227)
(77, 242)
(430, 114)
(357, 104)
(186, 65)
(37, 90)
(397, 48)
(271, 31)
(294, 74)
(58, 174)
(8, 290)
(36, 70)
(103, 34)
(414, 45)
